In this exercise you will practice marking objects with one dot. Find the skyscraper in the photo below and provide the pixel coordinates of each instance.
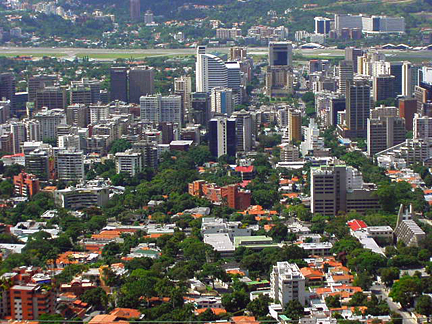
(396, 71)
(51, 97)
(158, 108)
(7, 88)
(38, 82)
(183, 88)
(119, 83)
(358, 104)
(351, 54)
(222, 136)
(141, 83)
(280, 54)
(294, 125)
(222, 101)
(211, 71)
(243, 130)
(383, 87)
(322, 25)
(135, 10)
(346, 74)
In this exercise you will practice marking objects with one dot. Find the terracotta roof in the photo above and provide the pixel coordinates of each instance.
(216, 311)
(244, 169)
(106, 319)
(126, 313)
(356, 224)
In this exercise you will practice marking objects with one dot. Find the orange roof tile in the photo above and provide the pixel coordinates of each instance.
(126, 313)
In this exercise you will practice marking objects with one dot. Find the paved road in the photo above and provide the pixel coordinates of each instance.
(382, 293)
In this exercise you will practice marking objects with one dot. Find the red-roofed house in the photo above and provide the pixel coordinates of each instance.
(246, 173)
(356, 224)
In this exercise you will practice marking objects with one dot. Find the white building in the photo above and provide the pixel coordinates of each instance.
(287, 283)
(49, 120)
(222, 100)
(128, 162)
(422, 127)
(70, 165)
(211, 71)
(98, 113)
(158, 108)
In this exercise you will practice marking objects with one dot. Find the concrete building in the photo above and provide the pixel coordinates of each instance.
(358, 105)
(7, 88)
(352, 54)
(280, 54)
(211, 71)
(384, 87)
(70, 165)
(141, 83)
(243, 130)
(158, 108)
(289, 153)
(422, 127)
(406, 229)
(287, 283)
(99, 113)
(279, 81)
(119, 83)
(135, 9)
(407, 109)
(129, 162)
(78, 115)
(51, 97)
(222, 136)
(336, 188)
(384, 129)
(294, 125)
(49, 120)
(183, 88)
(26, 185)
(346, 74)
(81, 197)
(29, 301)
(38, 82)
(228, 33)
(222, 101)
(322, 25)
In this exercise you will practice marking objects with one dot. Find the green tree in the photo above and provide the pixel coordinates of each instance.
(389, 275)
(259, 306)
(236, 301)
(119, 145)
(294, 310)
(95, 297)
(424, 305)
(333, 301)
(405, 290)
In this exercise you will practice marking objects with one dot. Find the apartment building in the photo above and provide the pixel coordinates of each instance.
(287, 283)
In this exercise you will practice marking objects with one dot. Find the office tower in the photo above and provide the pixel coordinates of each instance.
(37, 163)
(51, 97)
(200, 114)
(322, 25)
(294, 125)
(158, 108)
(407, 79)
(141, 83)
(29, 301)
(280, 54)
(222, 101)
(396, 71)
(336, 105)
(49, 120)
(211, 71)
(183, 88)
(287, 283)
(85, 92)
(70, 165)
(238, 54)
(129, 162)
(352, 54)
(18, 131)
(7, 89)
(407, 109)
(167, 130)
(344, 21)
(234, 75)
(78, 115)
(135, 10)
(119, 83)
(98, 113)
(383, 87)
(243, 130)
(39, 82)
(222, 136)
(384, 129)
(279, 81)
(148, 17)
(346, 74)
(422, 127)
(358, 105)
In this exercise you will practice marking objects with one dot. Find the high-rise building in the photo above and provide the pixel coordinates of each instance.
(222, 136)
(38, 82)
(347, 21)
(70, 165)
(222, 101)
(280, 54)
(200, 103)
(396, 71)
(238, 53)
(243, 130)
(337, 105)
(49, 120)
(7, 88)
(384, 87)
(407, 109)
(141, 83)
(279, 81)
(294, 125)
(422, 127)
(148, 17)
(85, 92)
(129, 162)
(287, 283)
(18, 131)
(119, 83)
(183, 88)
(37, 163)
(322, 25)
(407, 80)
(98, 113)
(135, 10)
(352, 54)
(384, 129)
(30, 301)
(346, 74)
(26, 185)
(358, 105)
(51, 97)
(211, 71)
(158, 108)
(78, 114)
